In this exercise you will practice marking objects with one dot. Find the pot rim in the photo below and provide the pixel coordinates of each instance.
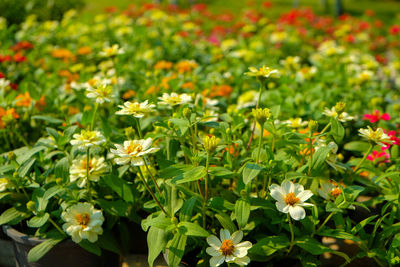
(25, 239)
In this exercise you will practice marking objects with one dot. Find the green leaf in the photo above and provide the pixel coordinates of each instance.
(314, 247)
(190, 175)
(61, 169)
(242, 212)
(337, 130)
(156, 241)
(192, 229)
(107, 241)
(159, 222)
(220, 203)
(225, 222)
(117, 208)
(269, 245)
(176, 250)
(120, 186)
(26, 167)
(339, 233)
(38, 221)
(48, 119)
(12, 216)
(250, 171)
(358, 146)
(91, 247)
(6, 168)
(37, 252)
(187, 209)
(320, 156)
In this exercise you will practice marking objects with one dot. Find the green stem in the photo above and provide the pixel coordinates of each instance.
(291, 234)
(139, 129)
(311, 154)
(57, 227)
(323, 224)
(255, 122)
(259, 144)
(326, 128)
(152, 177)
(206, 190)
(151, 192)
(94, 116)
(87, 173)
(364, 158)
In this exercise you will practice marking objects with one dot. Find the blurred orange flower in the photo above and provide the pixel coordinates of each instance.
(23, 100)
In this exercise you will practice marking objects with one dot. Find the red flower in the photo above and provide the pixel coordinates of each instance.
(376, 116)
(5, 58)
(394, 30)
(23, 45)
(267, 4)
(18, 57)
(2, 75)
(378, 157)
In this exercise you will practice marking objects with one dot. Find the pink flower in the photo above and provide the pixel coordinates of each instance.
(376, 116)
(394, 30)
(378, 157)
(393, 137)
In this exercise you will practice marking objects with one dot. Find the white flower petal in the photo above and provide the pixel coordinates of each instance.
(297, 212)
(217, 260)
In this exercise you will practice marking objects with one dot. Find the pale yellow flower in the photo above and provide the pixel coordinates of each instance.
(87, 139)
(174, 99)
(133, 151)
(78, 170)
(136, 109)
(378, 136)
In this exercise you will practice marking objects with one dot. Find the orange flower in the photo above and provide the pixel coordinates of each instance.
(163, 65)
(41, 103)
(23, 100)
(218, 90)
(233, 149)
(165, 81)
(73, 110)
(70, 76)
(63, 54)
(7, 115)
(128, 94)
(188, 85)
(185, 66)
(153, 89)
(84, 50)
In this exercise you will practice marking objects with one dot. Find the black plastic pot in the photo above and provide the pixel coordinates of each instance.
(65, 254)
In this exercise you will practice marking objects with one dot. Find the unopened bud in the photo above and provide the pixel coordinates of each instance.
(59, 181)
(210, 143)
(339, 107)
(11, 155)
(130, 133)
(313, 125)
(31, 205)
(261, 115)
(186, 113)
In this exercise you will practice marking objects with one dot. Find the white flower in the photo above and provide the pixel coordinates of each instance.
(133, 151)
(101, 92)
(87, 139)
(174, 99)
(228, 249)
(110, 51)
(4, 83)
(296, 123)
(83, 221)
(247, 99)
(78, 171)
(342, 117)
(135, 109)
(290, 199)
(377, 136)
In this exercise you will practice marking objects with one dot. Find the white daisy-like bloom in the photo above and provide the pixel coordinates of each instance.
(329, 190)
(228, 248)
(378, 136)
(136, 109)
(87, 139)
(291, 198)
(4, 83)
(296, 123)
(111, 51)
(174, 99)
(101, 93)
(342, 117)
(78, 170)
(132, 151)
(247, 99)
(83, 221)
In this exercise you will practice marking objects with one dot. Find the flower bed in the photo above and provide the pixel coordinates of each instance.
(171, 119)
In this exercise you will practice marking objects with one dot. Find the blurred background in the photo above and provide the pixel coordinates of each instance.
(15, 11)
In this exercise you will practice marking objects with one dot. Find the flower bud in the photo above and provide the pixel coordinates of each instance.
(339, 107)
(187, 113)
(261, 115)
(31, 205)
(174, 220)
(59, 181)
(313, 125)
(11, 155)
(210, 143)
(130, 133)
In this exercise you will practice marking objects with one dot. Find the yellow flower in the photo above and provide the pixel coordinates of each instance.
(111, 51)
(377, 136)
(263, 72)
(261, 115)
(78, 171)
(136, 109)
(133, 151)
(174, 99)
(87, 139)
(210, 143)
(83, 221)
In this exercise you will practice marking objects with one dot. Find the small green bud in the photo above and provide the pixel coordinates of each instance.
(174, 220)
(210, 143)
(313, 125)
(261, 115)
(11, 155)
(130, 133)
(187, 113)
(340, 107)
(59, 181)
(31, 205)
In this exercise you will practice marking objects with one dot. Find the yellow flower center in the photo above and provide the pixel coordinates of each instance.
(175, 99)
(336, 192)
(227, 247)
(82, 219)
(134, 148)
(291, 199)
(84, 164)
